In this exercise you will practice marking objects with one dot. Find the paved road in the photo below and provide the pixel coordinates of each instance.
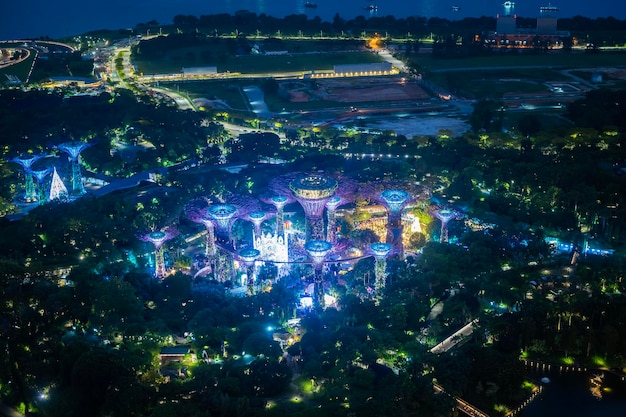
(456, 338)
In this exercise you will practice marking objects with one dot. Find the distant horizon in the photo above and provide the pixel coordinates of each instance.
(37, 18)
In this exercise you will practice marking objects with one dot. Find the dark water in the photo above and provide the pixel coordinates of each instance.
(568, 395)
(33, 18)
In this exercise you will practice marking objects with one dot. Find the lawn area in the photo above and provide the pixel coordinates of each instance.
(251, 64)
(225, 90)
(19, 70)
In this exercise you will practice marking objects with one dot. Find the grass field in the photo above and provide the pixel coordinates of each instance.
(252, 64)
(225, 90)
(19, 70)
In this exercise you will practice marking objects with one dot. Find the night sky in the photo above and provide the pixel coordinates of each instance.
(34, 18)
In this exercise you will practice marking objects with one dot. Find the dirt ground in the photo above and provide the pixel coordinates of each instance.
(362, 89)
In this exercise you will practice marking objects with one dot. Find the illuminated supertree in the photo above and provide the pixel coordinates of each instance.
(27, 163)
(201, 215)
(445, 215)
(256, 218)
(249, 257)
(312, 191)
(394, 197)
(279, 201)
(73, 150)
(380, 252)
(317, 250)
(158, 238)
(344, 194)
(224, 216)
(40, 176)
(395, 201)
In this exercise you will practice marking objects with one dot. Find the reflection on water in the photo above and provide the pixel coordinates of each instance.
(595, 394)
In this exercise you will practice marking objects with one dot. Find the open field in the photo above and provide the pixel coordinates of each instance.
(257, 64)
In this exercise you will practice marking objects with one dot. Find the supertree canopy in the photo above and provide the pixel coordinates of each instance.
(73, 150)
(312, 191)
(224, 216)
(158, 238)
(27, 163)
(317, 250)
(380, 252)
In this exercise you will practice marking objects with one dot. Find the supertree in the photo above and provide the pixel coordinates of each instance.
(40, 176)
(224, 216)
(380, 252)
(279, 201)
(317, 250)
(73, 150)
(200, 215)
(344, 194)
(27, 163)
(445, 215)
(312, 191)
(394, 197)
(249, 257)
(256, 218)
(158, 238)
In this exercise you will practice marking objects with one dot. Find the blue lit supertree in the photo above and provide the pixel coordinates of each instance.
(73, 150)
(445, 215)
(344, 194)
(249, 257)
(40, 176)
(279, 202)
(27, 163)
(395, 196)
(317, 250)
(380, 252)
(158, 238)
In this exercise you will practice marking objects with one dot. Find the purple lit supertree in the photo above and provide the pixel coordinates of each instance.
(200, 215)
(158, 238)
(312, 191)
(40, 176)
(317, 250)
(73, 150)
(279, 201)
(256, 218)
(345, 193)
(445, 215)
(249, 257)
(224, 216)
(380, 252)
(27, 163)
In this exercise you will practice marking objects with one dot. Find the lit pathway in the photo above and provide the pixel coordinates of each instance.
(456, 338)
(462, 405)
